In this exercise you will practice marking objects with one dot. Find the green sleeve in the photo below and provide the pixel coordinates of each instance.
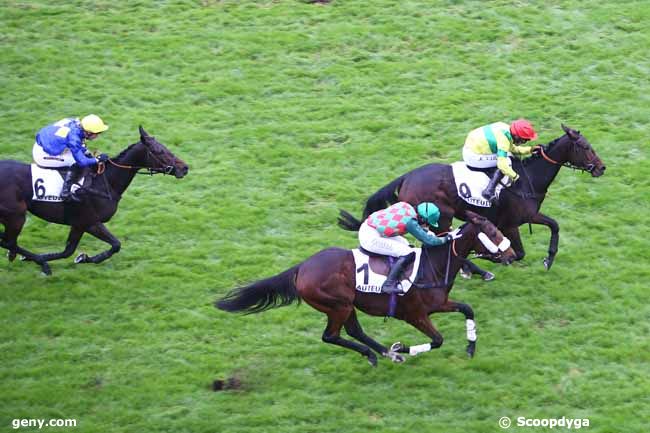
(420, 234)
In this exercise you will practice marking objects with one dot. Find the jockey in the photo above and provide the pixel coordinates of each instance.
(382, 233)
(491, 145)
(62, 144)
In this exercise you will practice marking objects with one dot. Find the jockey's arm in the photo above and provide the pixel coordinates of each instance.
(503, 164)
(79, 152)
(420, 234)
(521, 150)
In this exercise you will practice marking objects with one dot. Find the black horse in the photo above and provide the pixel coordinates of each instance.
(98, 205)
(517, 205)
(326, 281)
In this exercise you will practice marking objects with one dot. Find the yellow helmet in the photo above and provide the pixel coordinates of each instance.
(93, 123)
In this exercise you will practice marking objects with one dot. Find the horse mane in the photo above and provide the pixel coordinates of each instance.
(125, 151)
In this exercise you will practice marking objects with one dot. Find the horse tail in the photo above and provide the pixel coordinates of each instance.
(348, 222)
(262, 295)
(384, 197)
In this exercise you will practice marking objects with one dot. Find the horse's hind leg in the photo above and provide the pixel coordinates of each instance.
(332, 335)
(353, 328)
(9, 240)
(100, 231)
(71, 244)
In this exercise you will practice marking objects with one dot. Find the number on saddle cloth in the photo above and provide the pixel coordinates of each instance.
(48, 182)
(372, 269)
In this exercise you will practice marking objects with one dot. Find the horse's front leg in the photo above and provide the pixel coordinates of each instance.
(542, 219)
(100, 231)
(470, 268)
(424, 325)
(470, 326)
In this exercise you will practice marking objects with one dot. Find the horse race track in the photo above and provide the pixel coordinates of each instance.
(285, 112)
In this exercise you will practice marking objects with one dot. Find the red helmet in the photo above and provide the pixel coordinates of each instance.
(522, 128)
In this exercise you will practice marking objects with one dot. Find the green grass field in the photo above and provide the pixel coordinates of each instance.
(286, 112)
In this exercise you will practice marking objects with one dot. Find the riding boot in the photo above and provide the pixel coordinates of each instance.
(390, 286)
(490, 192)
(68, 179)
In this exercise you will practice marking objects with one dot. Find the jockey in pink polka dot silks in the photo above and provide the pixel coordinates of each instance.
(382, 233)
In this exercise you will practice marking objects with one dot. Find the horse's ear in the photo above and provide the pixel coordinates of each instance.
(143, 133)
(572, 133)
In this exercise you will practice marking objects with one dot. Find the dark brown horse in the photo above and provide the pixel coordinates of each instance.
(326, 281)
(98, 205)
(517, 205)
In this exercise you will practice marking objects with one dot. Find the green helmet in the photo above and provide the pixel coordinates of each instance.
(429, 212)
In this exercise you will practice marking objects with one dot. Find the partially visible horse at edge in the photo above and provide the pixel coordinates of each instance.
(326, 281)
(517, 205)
(99, 201)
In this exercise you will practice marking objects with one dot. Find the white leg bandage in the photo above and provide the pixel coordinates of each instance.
(471, 330)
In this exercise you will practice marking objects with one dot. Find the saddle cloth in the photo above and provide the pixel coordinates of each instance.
(470, 184)
(371, 271)
(48, 182)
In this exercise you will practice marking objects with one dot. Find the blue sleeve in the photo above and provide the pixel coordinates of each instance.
(78, 150)
(420, 234)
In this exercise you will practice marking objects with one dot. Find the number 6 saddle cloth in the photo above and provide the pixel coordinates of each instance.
(371, 270)
(48, 182)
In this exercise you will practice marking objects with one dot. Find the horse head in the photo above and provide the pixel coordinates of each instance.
(159, 159)
(574, 150)
(488, 241)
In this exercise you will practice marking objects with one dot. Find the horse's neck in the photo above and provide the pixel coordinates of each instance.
(442, 264)
(539, 172)
(119, 178)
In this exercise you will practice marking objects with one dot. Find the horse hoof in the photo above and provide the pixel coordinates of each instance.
(81, 258)
(45, 269)
(11, 255)
(466, 275)
(548, 263)
(372, 359)
(24, 259)
(396, 347)
(488, 276)
(471, 349)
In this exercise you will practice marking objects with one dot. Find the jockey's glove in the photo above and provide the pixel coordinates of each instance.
(102, 158)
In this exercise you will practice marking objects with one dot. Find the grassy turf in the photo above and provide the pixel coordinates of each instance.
(285, 113)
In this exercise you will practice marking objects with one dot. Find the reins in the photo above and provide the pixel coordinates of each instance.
(149, 170)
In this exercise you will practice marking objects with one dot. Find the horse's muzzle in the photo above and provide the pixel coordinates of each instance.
(598, 171)
(180, 171)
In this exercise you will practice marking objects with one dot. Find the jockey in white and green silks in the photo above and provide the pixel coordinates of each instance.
(491, 146)
(382, 233)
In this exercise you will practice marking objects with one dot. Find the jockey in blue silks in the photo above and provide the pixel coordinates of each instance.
(62, 144)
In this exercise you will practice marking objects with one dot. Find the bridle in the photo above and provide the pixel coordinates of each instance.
(495, 253)
(590, 164)
(163, 168)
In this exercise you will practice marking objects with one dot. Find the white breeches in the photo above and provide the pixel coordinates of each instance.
(476, 160)
(371, 240)
(44, 159)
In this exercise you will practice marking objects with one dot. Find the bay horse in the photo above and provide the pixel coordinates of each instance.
(99, 201)
(517, 205)
(326, 281)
